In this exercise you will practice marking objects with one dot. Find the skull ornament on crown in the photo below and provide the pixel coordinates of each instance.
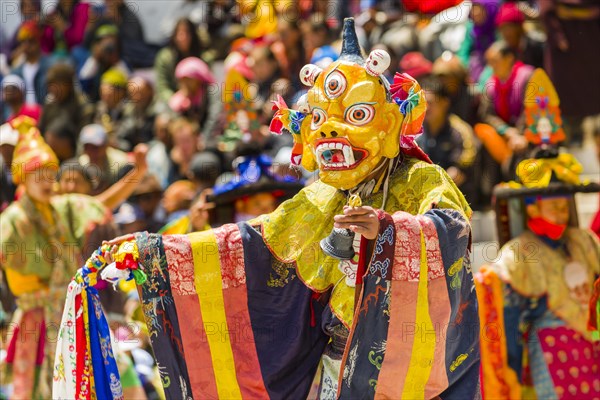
(351, 119)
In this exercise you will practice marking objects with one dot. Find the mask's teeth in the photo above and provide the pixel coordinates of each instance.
(348, 155)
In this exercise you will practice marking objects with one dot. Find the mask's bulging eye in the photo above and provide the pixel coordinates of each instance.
(335, 84)
(360, 114)
(318, 118)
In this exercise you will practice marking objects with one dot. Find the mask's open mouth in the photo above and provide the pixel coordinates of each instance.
(337, 154)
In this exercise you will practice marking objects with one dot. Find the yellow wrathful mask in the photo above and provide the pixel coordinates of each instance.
(351, 120)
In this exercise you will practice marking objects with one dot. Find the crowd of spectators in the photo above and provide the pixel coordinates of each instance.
(106, 101)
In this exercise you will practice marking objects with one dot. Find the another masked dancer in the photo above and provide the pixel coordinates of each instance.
(535, 299)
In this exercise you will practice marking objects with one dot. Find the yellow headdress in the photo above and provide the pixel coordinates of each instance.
(31, 151)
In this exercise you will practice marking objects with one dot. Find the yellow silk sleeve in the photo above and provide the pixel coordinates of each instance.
(20, 283)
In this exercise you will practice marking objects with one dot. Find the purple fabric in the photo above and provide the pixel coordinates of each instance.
(484, 35)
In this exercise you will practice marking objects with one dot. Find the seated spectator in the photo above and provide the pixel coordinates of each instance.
(34, 65)
(502, 102)
(104, 162)
(184, 134)
(448, 140)
(266, 81)
(289, 50)
(197, 97)
(61, 136)
(184, 43)
(318, 39)
(481, 33)
(137, 124)
(528, 49)
(178, 198)
(110, 110)
(147, 196)
(64, 102)
(454, 76)
(130, 219)
(13, 97)
(31, 11)
(105, 54)
(75, 178)
(135, 51)
(69, 21)
(204, 170)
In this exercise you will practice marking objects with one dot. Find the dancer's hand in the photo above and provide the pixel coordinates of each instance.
(114, 246)
(361, 220)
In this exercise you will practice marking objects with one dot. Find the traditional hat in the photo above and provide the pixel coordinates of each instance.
(31, 151)
(195, 68)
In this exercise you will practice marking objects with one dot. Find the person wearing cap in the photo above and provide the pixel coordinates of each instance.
(13, 96)
(105, 54)
(415, 64)
(44, 237)
(104, 161)
(35, 65)
(198, 96)
(8, 140)
(509, 21)
(111, 107)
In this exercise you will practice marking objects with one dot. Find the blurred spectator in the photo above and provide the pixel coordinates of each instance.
(463, 101)
(317, 41)
(502, 102)
(266, 79)
(34, 65)
(184, 134)
(69, 21)
(178, 198)
(110, 110)
(137, 125)
(205, 168)
(572, 27)
(198, 96)
(448, 140)
(31, 11)
(103, 161)
(147, 196)
(134, 49)
(184, 43)
(13, 97)
(64, 102)
(61, 136)
(74, 178)
(481, 33)
(130, 218)
(8, 140)
(289, 50)
(528, 49)
(105, 54)
(415, 64)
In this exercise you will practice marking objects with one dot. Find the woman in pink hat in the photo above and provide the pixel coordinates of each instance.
(197, 97)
